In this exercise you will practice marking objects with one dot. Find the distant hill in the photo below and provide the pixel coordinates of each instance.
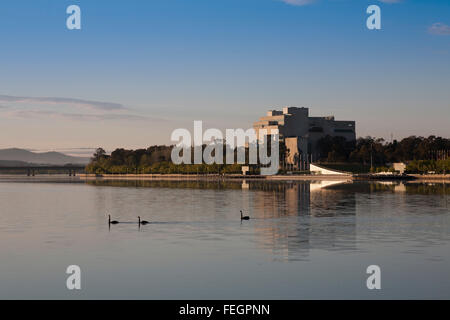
(24, 157)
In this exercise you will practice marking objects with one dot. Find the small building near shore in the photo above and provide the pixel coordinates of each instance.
(400, 167)
(245, 170)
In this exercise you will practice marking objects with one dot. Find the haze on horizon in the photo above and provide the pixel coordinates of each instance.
(138, 70)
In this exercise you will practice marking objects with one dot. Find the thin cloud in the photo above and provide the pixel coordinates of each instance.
(439, 29)
(306, 2)
(298, 2)
(72, 109)
(391, 1)
(96, 105)
(33, 114)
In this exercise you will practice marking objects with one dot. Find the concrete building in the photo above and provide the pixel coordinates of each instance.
(300, 132)
(400, 167)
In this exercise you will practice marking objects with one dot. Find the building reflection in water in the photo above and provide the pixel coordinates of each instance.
(293, 218)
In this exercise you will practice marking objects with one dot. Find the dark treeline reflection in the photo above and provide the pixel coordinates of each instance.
(177, 184)
(434, 188)
(297, 217)
(292, 219)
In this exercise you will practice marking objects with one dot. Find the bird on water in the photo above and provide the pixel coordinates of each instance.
(111, 222)
(244, 217)
(143, 221)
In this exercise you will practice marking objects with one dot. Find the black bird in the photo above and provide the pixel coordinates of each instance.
(244, 217)
(143, 221)
(111, 222)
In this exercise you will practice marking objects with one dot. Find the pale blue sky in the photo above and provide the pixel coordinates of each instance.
(161, 64)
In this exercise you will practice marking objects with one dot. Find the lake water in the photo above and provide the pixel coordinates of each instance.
(305, 240)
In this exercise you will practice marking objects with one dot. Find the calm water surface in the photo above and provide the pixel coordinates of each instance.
(305, 240)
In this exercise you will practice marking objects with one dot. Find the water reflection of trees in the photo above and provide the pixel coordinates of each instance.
(177, 184)
(322, 218)
(292, 189)
(413, 188)
(427, 188)
(320, 215)
(293, 218)
(315, 215)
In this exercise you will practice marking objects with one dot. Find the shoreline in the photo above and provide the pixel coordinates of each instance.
(194, 177)
(309, 177)
(215, 177)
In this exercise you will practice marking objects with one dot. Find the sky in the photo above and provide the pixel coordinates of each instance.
(137, 70)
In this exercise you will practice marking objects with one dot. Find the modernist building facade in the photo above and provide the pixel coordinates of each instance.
(300, 132)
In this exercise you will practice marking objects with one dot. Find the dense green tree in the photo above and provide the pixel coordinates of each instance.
(422, 154)
(99, 154)
(376, 151)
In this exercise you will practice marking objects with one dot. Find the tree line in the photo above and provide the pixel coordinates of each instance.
(153, 160)
(421, 154)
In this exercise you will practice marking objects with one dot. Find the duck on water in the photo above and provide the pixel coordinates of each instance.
(244, 217)
(113, 221)
(144, 222)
